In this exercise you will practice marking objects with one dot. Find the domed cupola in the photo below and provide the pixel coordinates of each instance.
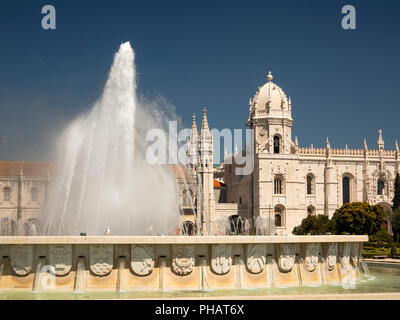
(270, 114)
(270, 100)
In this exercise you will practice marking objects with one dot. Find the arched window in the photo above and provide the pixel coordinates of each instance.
(311, 210)
(236, 224)
(276, 144)
(346, 190)
(278, 220)
(187, 198)
(188, 228)
(8, 227)
(310, 184)
(7, 193)
(381, 187)
(279, 213)
(34, 194)
(278, 186)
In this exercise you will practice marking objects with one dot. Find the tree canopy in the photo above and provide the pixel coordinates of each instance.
(315, 225)
(358, 218)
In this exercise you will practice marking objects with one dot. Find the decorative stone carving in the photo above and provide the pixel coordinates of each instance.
(101, 258)
(60, 257)
(183, 259)
(221, 258)
(332, 255)
(355, 254)
(142, 259)
(312, 253)
(287, 257)
(256, 257)
(21, 259)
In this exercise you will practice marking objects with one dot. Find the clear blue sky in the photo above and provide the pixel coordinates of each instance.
(344, 83)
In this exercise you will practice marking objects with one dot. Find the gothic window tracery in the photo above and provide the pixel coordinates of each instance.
(381, 187)
(279, 215)
(276, 144)
(34, 194)
(7, 193)
(187, 198)
(311, 210)
(278, 185)
(310, 184)
(346, 190)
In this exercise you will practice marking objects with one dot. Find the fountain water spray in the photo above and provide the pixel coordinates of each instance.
(103, 179)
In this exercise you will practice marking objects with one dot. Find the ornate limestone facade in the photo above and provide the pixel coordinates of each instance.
(24, 187)
(290, 182)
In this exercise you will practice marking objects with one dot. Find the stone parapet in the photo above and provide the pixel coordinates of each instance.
(177, 263)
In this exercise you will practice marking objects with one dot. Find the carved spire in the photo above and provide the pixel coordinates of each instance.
(204, 124)
(365, 145)
(290, 104)
(250, 111)
(396, 145)
(194, 126)
(381, 143)
(328, 145)
(296, 142)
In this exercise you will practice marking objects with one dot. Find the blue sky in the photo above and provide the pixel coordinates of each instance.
(343, 83)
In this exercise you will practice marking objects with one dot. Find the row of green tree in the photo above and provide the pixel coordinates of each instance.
(355, 218)
(351, 218)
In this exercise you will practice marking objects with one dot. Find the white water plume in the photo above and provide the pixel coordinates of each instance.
(103, 179)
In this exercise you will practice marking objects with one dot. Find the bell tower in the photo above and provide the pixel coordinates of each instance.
(270, 114)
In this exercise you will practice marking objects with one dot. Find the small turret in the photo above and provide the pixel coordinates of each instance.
(381, 143)
(328, 145)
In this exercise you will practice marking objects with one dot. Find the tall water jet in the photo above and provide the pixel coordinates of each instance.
(103, 179)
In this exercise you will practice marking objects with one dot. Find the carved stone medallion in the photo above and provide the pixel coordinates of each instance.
(312, 253)
(183, 259)
(101, 258)
(256, 257)
(355, 254)
(221, 258)
(21, 259)
(287, 257)
(60, 257)
(142, 259)
(332, 255)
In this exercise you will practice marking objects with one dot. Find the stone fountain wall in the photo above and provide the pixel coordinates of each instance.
(176, 263)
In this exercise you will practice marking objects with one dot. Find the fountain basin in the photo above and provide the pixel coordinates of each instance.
(124, 263)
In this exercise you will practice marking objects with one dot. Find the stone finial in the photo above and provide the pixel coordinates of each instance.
(296, 142)
(381, 143)
(396, 145)
(328, 145)
(269, 76)
(194, 126)
(204, 124)
(290, 103)
(365, 144)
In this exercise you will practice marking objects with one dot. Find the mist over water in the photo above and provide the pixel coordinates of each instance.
(103, 179)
